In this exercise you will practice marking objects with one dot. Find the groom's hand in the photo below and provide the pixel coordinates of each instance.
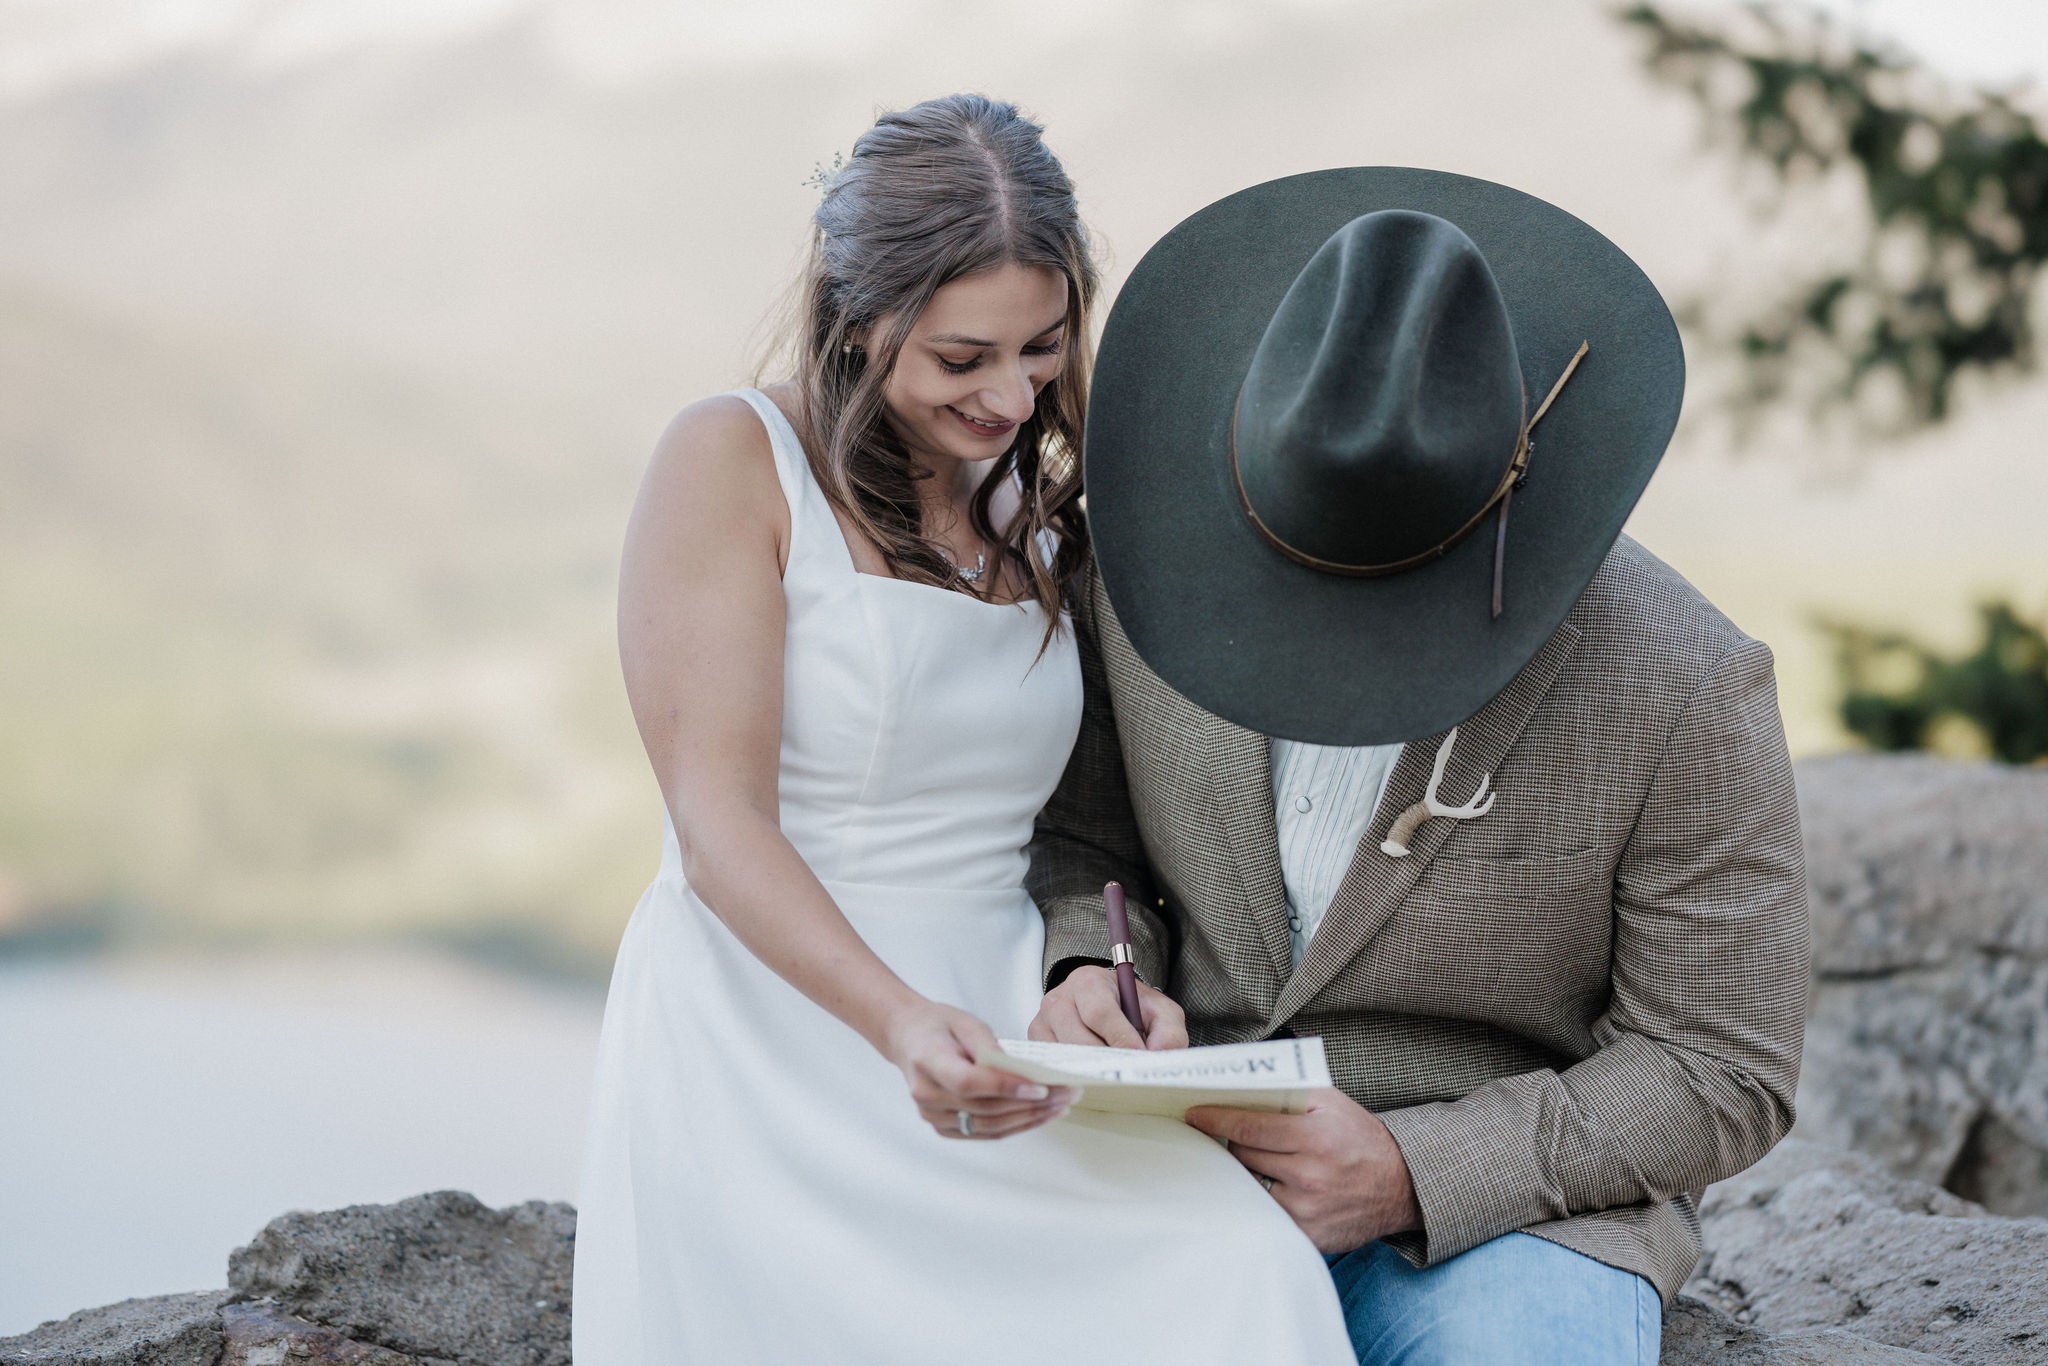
(1084, 1009)
(1336, 1170)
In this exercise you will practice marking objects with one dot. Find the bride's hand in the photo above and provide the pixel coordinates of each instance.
(934, 1046)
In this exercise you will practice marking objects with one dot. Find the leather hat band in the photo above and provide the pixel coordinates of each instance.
(1517, 470)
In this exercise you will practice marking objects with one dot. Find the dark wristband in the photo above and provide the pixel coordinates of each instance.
(1065, 968)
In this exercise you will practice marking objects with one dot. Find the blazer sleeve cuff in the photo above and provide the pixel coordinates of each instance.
(1076, 926)
(1470, 1190)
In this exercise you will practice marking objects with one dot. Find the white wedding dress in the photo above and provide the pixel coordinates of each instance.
(757, 1185)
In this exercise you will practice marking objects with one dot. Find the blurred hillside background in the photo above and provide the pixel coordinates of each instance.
(333, 336)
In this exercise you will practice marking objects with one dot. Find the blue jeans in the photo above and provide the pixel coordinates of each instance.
(1516, 1301)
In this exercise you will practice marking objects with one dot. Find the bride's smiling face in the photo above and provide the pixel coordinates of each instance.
(971, 369)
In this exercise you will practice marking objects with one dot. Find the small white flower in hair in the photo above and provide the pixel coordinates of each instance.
(1396, 843)
(822, 176)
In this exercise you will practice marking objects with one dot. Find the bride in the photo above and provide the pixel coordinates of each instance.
(842, 623)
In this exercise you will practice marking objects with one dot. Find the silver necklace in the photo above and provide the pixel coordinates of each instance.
(972, 575)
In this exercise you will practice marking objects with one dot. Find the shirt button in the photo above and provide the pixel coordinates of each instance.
(1294, 923)
(1303, 805)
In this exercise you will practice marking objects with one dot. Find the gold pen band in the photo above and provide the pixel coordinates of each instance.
(1121, 953)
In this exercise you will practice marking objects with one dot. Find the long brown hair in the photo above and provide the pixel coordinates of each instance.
(949, 188)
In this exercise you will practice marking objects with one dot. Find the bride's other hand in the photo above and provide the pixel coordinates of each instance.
(1084, 1009)
(935, 1045)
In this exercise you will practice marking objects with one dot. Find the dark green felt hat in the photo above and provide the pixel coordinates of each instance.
(1321, 499)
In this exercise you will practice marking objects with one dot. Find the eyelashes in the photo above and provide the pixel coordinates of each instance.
(1050, 349)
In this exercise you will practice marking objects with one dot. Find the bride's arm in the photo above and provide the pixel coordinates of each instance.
(700, 638)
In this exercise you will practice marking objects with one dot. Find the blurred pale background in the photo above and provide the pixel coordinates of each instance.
(332, 338)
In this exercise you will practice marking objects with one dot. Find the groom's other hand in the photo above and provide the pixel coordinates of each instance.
(1336, 1170)
(1084, 1009)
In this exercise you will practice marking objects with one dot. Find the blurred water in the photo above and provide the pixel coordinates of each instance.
(155, 1114)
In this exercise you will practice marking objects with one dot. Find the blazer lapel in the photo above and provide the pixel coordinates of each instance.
(1236, 768)
(1242, 764)
(1377, 883)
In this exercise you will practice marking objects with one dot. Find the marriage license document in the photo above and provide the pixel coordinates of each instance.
(1274, 1074)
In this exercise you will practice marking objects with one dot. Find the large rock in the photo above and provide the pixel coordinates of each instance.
(1813, 1238)
(1697, 1334)
(163, 1330)
(440, 1280)
(1925, 1048)
(438, 1276)
(261, 1334)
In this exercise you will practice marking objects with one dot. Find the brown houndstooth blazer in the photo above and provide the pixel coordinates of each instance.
(1574, 1012)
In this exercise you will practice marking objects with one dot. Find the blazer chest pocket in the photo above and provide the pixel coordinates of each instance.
(1517, 874)
(1541, 905)
(1526, 941)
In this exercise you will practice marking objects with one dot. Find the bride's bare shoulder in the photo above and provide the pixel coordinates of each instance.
(722, 429)
(714, 465)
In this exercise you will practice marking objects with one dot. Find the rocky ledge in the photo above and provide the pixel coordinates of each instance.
(1814, 1258)
(1927, 1055)
(437, 1280)
(1927, 1046)
(1814, 1239)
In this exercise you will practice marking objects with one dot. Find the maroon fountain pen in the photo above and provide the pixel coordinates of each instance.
(1120, 955)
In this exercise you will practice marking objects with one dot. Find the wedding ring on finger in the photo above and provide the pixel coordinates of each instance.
(1265, 1180)
(966, 1122)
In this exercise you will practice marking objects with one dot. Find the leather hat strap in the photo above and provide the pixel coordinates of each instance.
(1517, 471)
(1522, 452)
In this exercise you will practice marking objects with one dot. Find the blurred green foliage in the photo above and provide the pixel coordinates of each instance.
(1942, 285)
(1897, 693)
(1956, 186)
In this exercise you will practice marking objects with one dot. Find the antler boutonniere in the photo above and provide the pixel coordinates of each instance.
(1404, 827)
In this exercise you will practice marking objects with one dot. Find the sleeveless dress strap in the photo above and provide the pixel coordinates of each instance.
(808, 506)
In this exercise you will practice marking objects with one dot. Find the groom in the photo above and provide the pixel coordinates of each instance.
(1497, 805)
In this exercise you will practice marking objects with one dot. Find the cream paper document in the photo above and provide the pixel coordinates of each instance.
(1275, 1074)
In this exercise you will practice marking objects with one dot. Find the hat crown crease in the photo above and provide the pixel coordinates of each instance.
(1384, 400)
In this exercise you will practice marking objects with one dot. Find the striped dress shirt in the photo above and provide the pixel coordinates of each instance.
(1324, 797)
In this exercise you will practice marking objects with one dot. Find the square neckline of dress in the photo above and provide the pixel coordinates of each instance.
(846, 546)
